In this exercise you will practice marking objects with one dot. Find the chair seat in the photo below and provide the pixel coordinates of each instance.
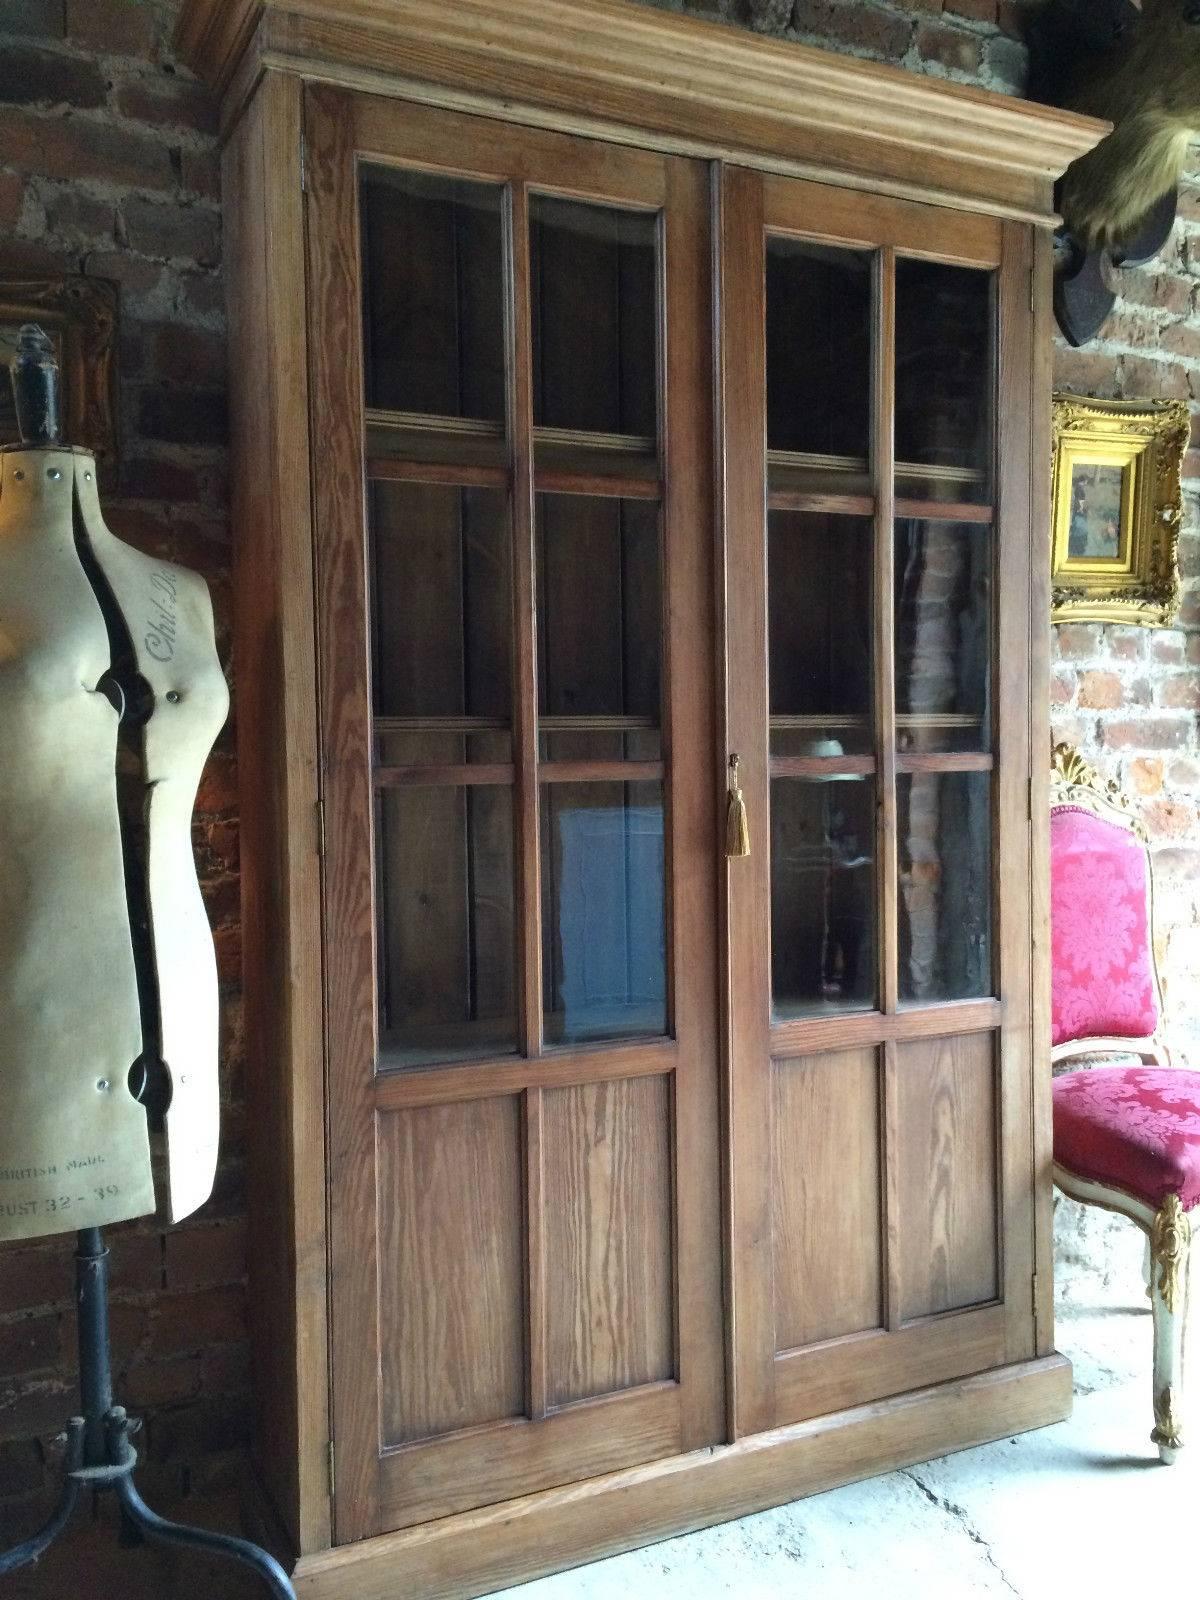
(1136, 1129)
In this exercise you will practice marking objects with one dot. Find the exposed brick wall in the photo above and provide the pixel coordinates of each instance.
(108, 167)
(1129, 697)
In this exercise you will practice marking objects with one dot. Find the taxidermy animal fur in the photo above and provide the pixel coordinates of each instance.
(1146, 82)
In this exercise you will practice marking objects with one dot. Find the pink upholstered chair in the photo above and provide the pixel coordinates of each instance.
(1125, 1137)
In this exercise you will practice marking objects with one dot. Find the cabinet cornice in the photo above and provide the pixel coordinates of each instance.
(685, 83)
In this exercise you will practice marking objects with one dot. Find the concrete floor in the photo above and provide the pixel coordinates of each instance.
(1083, 1508)
(1080, 1509)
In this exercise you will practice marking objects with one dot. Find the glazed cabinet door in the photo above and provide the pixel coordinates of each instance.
(511, 416)
(876, 395)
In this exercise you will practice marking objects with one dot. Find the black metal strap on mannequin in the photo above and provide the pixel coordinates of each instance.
(99, 1455)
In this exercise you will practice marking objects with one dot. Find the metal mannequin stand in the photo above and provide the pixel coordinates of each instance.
(100, 1456)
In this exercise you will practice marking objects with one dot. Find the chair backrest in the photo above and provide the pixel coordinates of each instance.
(1104, 981)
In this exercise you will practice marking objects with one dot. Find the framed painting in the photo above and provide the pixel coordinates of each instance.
(1118, 506)
(80, 317)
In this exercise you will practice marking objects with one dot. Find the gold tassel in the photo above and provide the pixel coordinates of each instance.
(737, 826)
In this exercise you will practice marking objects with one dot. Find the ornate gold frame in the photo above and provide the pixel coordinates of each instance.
(1146, 440)
(80, 315)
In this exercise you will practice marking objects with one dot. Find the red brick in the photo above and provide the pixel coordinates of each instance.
(33, 1410)
(149, 479)
(195, 356)
(12, 196)
(209, 1255)
(1157, 290)
(29, 76)
(39, 1277)
(1126, 644)
(1168, 819)
(187, 233)
(1062, 688)
(1179, 692)
(1077, 640)
(159, 1383)
(1146, 775)
(134, 1259)
(1147, 733)
(1184, 774)
(1143, 377)
(82, 147)
(71, 214)
(30, 1344)
(974, 10)
(187, 1322)
(113, 27)
(177, 416)
(949, 47)
(169, 103)
(44, 19)
(200, 173)
(1182, 340)
(860, 27)
(22, 1469)
(1100, 691)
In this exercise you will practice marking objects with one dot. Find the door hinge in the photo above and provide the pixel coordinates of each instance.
(303, 164)
(332, 1472)
(321, 828)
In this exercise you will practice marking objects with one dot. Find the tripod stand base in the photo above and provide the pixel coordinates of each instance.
(100, 1456)
(136, 1516)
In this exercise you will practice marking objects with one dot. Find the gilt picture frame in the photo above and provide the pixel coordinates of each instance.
(1118, 509)
(79, 315)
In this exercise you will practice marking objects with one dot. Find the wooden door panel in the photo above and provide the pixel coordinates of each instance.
(948, 1180)
(828, 1189)
(607, 1237)
(522, 1040)
(456, 1359)
(878, 958)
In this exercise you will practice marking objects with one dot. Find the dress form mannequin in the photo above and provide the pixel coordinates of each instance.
(86, 622)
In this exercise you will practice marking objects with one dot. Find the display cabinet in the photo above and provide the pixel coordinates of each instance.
(614, 395)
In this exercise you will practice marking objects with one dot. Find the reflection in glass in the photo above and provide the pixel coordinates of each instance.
(819, 583)
(945, 834)
(433, 275)
(944, 380)
(595, 314)
(818, 349)
(599, 608)
(446, 924)
(943, 635)
(822, 895)
(441, 602)
(603, 891)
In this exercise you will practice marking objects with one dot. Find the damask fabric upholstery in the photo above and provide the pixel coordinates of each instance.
(1101, 953)
(1136, 1129)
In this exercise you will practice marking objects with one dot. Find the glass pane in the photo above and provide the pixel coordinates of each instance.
(819, 352)
(432, 742)
(603, 892)
(446, 924)
(441, 604)
(595, 317)
(433, 276)
(945, 836)
(598, 743)
(819, 614)
(943, 635)
(599, 608)
(822, 895)
(944, 379)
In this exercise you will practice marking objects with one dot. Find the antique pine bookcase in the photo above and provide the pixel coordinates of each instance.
(615, 393)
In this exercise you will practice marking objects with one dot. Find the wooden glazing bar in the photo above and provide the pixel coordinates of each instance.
(822, 766)
(601, 771)
(451, 475)
(400, 1090)
(535, 1256)
(893, 1288)
(883, 452)
(385, 726)
(950, 761)
(519, 358)
(843, 505)
(943, 511)
(809, 1035)
(599, 485)
(483, 775)
(597, 724)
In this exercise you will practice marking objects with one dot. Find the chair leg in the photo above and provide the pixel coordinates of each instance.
(1170, 1241)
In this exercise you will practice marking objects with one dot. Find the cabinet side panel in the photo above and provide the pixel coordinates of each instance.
(276, 699)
